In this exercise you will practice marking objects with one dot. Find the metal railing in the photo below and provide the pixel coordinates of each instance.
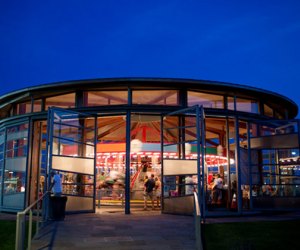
(197, 220)
(21, 226)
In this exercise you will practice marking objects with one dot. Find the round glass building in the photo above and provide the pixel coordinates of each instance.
(236, 146)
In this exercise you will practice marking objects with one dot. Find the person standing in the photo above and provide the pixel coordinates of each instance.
(148, 191)
(217, 189)
(157, 191)
(56, 184)
(189, 185)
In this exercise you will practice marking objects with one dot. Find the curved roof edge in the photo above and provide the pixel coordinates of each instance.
(14, 94)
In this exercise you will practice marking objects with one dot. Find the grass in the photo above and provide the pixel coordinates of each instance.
(8, 234)
(234, 236)
(253, 235)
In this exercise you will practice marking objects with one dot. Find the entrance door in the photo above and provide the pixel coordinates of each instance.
(183, 153)
(71, 152)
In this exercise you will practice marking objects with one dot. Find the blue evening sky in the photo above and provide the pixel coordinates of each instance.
(255, 42)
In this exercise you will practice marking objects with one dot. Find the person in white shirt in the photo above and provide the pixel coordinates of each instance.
(189, 185)
(56, 184)
(217, 189)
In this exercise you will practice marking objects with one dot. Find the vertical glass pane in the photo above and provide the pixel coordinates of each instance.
(15, 166)
(244, 164)
(23, 108)
(2, 137)
(232, 171)
(216, 163)
(230, 103)
(37, 106)
(110, 165)
(145, 157)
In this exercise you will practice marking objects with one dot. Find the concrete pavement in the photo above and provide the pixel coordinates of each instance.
(115, 230)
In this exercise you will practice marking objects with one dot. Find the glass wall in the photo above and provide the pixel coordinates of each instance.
(275, 162)
(16, 152)
(144, 97)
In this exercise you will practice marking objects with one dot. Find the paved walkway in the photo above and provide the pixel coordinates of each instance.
(112, 229)
(144, 230)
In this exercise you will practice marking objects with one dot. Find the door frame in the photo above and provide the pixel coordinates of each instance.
(197, 165)
(56, 117)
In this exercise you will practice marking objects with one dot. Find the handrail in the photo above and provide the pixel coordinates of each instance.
(20, 223)
(135, 176)
(197, 217)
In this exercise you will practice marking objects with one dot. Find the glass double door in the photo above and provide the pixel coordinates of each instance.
(105, 161)
(128, 151)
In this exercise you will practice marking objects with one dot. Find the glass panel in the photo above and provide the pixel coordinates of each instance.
(279, 174)
(145, 158)
(155, 97)
(23, 108)
(245, 105)
(77, 184)
(15, 166)
(217, 174)
(275, 170)
(232, 171)
(206, 100)
(61, 101)
(37, 106)
(179, 185)
(98, 98)
(16, 144)
(2, 137)
(110, 165)
(277, 128)
(74, 136)
(37, 164)
(268, 111)
(230, 103)
(73, 154)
